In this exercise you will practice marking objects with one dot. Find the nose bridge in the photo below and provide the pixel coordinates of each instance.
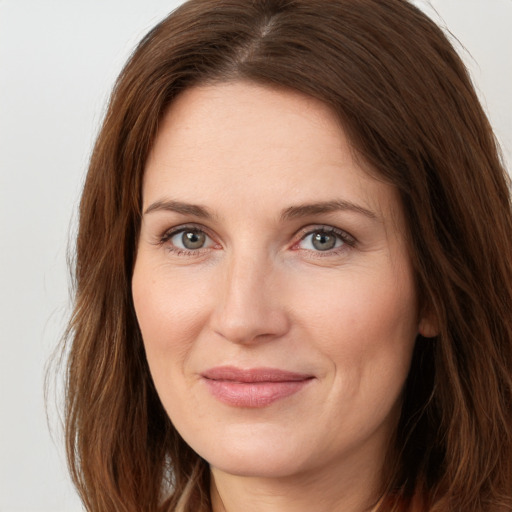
(249, 306)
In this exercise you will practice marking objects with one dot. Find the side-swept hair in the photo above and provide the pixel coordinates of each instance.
(405, 99)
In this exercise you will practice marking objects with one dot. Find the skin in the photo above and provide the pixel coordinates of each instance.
(259, 293)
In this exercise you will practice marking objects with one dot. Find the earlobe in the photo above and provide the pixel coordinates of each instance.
(428, 326)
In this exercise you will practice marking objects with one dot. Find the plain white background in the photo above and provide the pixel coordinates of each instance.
(58, 61)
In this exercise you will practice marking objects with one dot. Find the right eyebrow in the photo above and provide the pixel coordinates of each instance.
(179, 207)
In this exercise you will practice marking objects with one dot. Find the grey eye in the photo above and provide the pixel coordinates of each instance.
(187, 240)
(324, 241)
(193, 239)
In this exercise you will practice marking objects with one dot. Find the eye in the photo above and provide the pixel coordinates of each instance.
(187, 239)
(325, 239)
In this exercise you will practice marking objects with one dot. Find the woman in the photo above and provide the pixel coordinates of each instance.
(293, 271)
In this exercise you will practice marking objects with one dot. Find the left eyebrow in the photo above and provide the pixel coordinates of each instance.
(180, 207)
(305, 210)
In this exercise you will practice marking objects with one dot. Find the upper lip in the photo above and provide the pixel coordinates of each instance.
(234, 374)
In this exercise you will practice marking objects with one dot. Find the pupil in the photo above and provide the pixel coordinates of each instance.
(323, 241)
(193, 239)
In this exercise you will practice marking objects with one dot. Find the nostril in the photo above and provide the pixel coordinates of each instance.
(258, 323)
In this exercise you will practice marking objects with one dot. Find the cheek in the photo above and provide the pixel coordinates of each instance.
(357, 300)
(169, 309)
(365, 329)
(364, 322)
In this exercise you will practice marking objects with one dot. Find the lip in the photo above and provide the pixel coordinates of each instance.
(253, 387)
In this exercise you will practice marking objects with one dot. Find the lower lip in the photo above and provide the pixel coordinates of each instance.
(253, 394)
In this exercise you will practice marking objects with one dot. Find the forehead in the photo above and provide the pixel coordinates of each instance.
(239, 143)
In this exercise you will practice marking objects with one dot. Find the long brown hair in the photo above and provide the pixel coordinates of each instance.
(407, 103)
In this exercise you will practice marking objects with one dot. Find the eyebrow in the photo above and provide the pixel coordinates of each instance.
(179, 207)
(292, 212)
(305, 210)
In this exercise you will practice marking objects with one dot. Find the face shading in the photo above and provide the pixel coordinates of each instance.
(272, 285)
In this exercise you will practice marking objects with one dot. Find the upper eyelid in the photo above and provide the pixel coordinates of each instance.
(308, 230)
(169, 232)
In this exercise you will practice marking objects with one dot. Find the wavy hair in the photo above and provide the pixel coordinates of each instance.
(407, 103)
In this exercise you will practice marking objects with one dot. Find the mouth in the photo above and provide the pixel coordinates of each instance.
(255, 387)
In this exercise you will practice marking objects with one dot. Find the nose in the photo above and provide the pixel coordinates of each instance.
(250, 302)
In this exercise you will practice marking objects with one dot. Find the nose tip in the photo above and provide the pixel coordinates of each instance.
(249, 327)
(250, 307)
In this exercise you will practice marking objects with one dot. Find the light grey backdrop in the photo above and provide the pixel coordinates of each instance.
(58, 60)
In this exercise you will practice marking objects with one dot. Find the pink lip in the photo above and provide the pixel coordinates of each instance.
(255, 387)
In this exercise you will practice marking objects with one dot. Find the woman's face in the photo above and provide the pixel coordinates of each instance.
(272, 285)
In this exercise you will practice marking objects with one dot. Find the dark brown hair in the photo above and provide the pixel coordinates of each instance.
(407, 103)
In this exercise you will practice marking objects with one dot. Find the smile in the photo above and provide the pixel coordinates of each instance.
(253, 388)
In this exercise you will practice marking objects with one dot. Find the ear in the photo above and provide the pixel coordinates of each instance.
(428, 326)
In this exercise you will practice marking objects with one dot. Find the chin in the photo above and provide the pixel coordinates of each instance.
(266, 454)
(257, 465)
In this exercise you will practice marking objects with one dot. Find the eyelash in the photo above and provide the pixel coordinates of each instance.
(168, 235)
(346, 239)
